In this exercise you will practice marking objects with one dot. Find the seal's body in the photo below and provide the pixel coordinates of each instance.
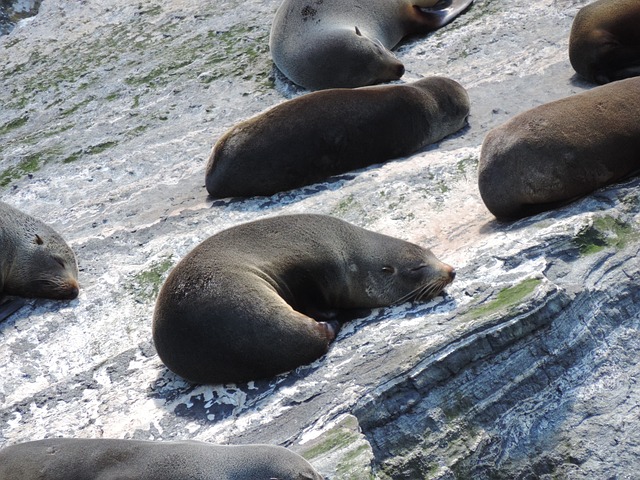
(111, 459)
(310, 138)
(604, 44)
(562, 150)
(34, 260)
(345, 43)
(244, 304)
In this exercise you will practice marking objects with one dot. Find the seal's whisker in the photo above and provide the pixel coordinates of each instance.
(409, 296)
(432, 290)
(53, 281)
(422, 292)
(428, 291)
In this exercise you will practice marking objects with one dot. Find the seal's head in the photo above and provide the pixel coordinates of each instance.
(379, 64)
(402, 272)
(348, 58)
(45, 267)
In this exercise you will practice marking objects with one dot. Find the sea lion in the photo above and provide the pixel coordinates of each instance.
(34, 260)
(264, 297)
(111, 459)
(310, 138)
(604, 44)
(345, 43)
(559, 151)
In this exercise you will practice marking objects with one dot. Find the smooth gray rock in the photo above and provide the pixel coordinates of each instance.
(524, 369)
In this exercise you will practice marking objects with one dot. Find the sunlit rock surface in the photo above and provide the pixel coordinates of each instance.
(526, 368)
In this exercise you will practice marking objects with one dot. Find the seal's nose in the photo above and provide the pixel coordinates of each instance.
(400, 70)
(451, 273)
(73, 289)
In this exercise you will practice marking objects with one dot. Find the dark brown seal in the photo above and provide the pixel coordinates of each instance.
(562, 150)
(346, 43)
(246, 303)
(310, 138)
(604, 45)
(111, 459)
(34, 260)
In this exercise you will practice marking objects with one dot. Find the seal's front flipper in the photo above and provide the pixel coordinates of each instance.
(441, 13)
(9, 305)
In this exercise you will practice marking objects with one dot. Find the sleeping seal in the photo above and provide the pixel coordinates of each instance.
(345, 43)
(604, 44)
(310, 138)
(34, 260)
(263, 297)
(559, 151)
(111, 459)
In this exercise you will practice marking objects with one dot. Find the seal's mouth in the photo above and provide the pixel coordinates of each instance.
(430, 289)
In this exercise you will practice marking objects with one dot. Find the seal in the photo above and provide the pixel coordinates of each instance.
(34, 260)
(265, 297)
(346, 43)
(604, 44)
(552, 154)
(112, 459)
(310, 138)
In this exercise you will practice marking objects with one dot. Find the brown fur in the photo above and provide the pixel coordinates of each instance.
(562, 150)
(310, 138)
(244, 304)
(604, 45)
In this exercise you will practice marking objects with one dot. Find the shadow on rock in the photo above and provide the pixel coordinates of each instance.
(214, 403)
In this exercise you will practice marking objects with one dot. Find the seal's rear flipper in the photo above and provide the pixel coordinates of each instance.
(442, 12)
(9, 305)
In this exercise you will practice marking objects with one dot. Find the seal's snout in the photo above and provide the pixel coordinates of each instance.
(73, 292)
(400, 70)
(72, 289)
(452, 274)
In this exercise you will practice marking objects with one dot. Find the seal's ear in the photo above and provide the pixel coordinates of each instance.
(38, 240)
(358, 32)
